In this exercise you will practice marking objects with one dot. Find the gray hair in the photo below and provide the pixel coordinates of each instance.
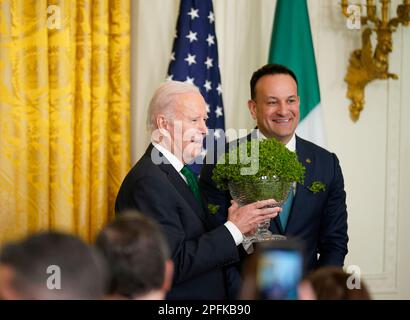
(164, 100)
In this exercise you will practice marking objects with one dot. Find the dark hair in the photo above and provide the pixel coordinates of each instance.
(136, 253)
(330, 283)
(269, 69)
(36, 258)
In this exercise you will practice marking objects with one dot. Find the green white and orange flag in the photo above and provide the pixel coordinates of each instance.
(292, 46)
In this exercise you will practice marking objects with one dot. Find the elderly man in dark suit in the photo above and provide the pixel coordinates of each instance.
(317, 218)
(160, 185)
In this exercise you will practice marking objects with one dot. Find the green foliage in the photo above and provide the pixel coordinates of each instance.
(213, 208)
(272, 159)
(317, 186)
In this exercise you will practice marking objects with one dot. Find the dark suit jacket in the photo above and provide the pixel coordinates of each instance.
(200, 249)
(318, 219)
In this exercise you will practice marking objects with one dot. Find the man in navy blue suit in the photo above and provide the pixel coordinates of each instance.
(161, 186)
(319, 219)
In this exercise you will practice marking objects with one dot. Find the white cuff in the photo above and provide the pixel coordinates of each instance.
(235, 232)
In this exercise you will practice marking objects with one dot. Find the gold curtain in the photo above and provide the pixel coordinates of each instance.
(64, 114)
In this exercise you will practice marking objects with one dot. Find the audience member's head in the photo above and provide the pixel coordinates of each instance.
(138, 257)
(51, 265)
(332, 283)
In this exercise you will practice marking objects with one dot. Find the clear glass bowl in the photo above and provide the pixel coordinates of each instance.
(264, 188)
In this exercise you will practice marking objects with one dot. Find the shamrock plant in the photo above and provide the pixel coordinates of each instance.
(270, 157)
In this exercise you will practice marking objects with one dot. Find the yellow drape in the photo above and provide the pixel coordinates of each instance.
(64, 114)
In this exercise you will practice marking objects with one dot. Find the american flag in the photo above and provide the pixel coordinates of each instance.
(194, 59)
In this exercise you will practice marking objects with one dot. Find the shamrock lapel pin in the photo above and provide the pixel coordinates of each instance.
(317, 186)
(213, 208)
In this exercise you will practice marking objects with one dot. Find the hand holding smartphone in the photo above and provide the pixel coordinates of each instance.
(279, 269)
(274, 271)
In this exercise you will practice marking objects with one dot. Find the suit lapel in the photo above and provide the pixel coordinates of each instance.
(298, 201)
(180, 185)
(185, 192)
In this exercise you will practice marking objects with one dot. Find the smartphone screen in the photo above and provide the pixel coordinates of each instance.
(279, 273)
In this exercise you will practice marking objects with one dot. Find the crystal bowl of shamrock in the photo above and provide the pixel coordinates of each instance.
(258, 170)
(262, 189)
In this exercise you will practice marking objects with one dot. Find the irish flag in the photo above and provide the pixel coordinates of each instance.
(292, 46)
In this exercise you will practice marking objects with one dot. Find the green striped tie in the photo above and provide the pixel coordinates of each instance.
(192, 183)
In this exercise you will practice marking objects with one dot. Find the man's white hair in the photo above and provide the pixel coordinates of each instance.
(164, 100)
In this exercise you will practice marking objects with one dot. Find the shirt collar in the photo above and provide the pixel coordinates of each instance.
(173, 160)
(291, 145)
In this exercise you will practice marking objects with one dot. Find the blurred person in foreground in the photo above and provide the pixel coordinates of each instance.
(138, 258)
(51, 266)
(274, 272)
(333, 283)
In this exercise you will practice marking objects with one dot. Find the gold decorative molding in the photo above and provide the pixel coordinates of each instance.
(366, 64)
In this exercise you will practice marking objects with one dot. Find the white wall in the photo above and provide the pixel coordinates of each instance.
(374, 152)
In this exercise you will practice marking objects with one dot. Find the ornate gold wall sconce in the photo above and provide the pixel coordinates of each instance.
(364, 64)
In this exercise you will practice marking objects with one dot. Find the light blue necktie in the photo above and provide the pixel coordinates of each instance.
(284, 215)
